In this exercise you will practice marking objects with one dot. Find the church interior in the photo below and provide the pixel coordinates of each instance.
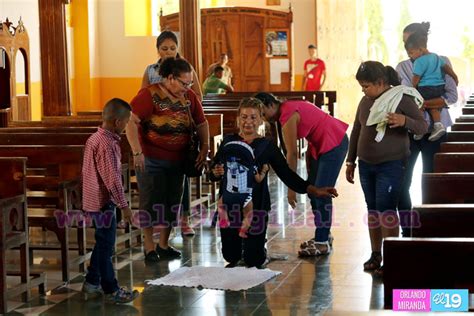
(61, 61)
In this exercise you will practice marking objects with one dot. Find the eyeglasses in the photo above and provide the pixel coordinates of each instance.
(185, 85)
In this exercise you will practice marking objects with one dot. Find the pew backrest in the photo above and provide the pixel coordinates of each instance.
(12, 176)
(452, 187)
(456, 147)
(454, 162)
(464, 136)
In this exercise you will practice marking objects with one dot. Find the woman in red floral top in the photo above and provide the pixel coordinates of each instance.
(160, 140)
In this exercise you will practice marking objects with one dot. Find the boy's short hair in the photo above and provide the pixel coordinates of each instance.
(218, 68)
(416, 40)
(116, 109)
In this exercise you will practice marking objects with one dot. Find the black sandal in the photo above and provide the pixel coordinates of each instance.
(374, 262)
(378, 273)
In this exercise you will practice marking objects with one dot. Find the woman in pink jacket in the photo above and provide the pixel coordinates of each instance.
(327, 147)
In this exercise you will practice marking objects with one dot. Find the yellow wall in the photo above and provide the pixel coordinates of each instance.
(80, 85)
(35, 98)
(124, 55)
(298, 82)
(36, 103)
(137, 16)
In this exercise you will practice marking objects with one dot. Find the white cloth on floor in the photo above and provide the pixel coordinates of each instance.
(219, 278)
(388, 103)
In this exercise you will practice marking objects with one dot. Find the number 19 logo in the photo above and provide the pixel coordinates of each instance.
(449, 300)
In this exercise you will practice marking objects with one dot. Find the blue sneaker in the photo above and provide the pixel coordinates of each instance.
(121, 296)
(91, 290)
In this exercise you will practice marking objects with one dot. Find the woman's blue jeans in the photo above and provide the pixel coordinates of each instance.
(323, 172)
(382, 184)
(427, 149)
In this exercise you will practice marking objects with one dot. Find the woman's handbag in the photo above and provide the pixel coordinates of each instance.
(190, 170)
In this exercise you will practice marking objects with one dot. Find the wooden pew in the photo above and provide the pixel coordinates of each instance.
(443, 220)
(50, 129)
(43, 214)
(465, 118)
(61, 125)
(421, 259)
(427, 263)
(456, 147)
(227, 104)
(454, 162)
(316, 97)
(48, 166)
(59, 121)
(441, 188)
(89, 113)
(58, 138)
(462, 126)
(467, 111)
(216, 137)
(14, 233)
(465, 136)
(215, 131)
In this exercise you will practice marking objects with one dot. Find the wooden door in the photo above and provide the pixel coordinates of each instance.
(252, 53)
(222, 35)
(240, 32)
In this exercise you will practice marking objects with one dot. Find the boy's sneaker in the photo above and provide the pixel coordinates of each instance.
(169, 253)
(121, 296)
(418, 137)
(438, 131)
(91, 290)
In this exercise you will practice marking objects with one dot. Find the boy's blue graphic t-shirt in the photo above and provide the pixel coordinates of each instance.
(429, 68)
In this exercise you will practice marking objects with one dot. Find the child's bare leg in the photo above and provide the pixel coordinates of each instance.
(223, 217)
(435, 115)
(247, 220)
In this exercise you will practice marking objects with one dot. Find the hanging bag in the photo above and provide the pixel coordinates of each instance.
(190, 169)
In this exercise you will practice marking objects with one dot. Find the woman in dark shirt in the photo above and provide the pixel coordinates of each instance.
(252, 249)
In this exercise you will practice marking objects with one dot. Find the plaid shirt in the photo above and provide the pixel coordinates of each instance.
(101, 172)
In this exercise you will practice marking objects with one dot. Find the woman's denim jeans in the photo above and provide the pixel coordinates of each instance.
(323, 173)
(382, 184)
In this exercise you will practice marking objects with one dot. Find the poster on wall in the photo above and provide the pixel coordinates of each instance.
(276, 43)
(277, 67)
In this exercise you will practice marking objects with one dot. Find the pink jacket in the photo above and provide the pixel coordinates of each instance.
(322, 131)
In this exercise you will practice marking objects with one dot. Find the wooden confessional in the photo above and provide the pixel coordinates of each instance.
(14, 43)
(257, 41)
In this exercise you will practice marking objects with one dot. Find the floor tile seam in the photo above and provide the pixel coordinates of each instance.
(286, 226)
(282, 281)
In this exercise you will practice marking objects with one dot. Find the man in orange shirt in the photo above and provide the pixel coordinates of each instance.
(314, 71)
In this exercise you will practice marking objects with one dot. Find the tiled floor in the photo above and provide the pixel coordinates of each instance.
(332, 285)
(306, 286)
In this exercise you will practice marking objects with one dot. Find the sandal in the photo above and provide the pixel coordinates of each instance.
(374, 262)
(314, 249)
(312, 241)
(378, 273)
